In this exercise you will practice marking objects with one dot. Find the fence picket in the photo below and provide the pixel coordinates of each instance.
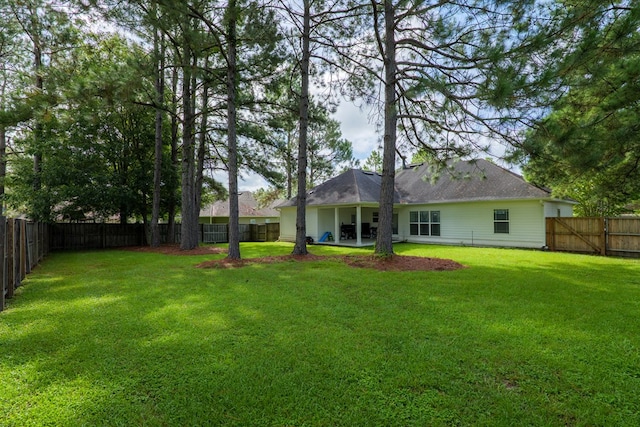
(23, 244)
(603, 236)
(3, 269)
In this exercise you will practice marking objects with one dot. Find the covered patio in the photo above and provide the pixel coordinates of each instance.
(348, 225)
(353, 243)
(350, 243)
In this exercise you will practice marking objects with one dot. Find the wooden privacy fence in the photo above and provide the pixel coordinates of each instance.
(23, 244)
(101, 236)
(602, 236)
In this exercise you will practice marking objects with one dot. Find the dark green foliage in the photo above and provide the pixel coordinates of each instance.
(98, 141)
(588, 146)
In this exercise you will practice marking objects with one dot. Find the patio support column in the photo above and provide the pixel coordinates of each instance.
(336, 225)
(359, 225)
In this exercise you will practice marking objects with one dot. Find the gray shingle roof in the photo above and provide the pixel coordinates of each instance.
(247, 207)
(475, 180)
(351, 187)
(464, 181)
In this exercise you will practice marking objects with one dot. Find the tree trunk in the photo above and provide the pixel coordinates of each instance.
(171, 208)
(289, 164)
(384, 239)
(300, 247)
(157, 164)
(189, 238)
(202, 141)
(234, 230)
(39, 83)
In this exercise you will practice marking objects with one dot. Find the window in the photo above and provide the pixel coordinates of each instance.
(375, 217)
(501, 221)
(424, 223)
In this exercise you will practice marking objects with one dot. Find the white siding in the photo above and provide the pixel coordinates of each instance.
(472, 224)
(326, 221)
(465, 223)
(551, 209)
(312, 223)
(288, 224)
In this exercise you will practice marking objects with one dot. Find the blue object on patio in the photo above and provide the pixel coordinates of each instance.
(326, 236)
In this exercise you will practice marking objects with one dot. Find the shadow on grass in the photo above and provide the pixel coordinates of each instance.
(153, 341)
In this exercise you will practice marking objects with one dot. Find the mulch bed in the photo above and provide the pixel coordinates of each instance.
(175, 250)
(393, 263)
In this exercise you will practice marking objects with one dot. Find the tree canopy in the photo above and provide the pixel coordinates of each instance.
(588, 146)
(135, 117)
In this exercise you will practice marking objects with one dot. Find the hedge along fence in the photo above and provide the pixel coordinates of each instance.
(23, 244)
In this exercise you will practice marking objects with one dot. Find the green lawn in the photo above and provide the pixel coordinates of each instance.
(517, 338)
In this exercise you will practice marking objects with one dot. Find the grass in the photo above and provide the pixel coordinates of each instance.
(520, 337)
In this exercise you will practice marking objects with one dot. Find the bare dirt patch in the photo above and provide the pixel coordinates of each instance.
(393, 263)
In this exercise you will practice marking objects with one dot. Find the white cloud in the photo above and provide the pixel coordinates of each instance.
(358, 125)
(246, 181)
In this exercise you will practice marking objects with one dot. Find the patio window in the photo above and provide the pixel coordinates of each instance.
(424, 223)
(501, 221)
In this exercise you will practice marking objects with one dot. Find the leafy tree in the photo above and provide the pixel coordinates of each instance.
(328, 151)
(373, 163)
(588, 146)
(455, 74)
(267, 196)
(44, 33)
(99, 139)
(9, 64)
(248, 55)
(320, 30)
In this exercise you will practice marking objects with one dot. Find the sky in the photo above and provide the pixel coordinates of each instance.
(358, 125)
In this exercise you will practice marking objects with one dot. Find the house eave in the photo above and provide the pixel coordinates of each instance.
(483, 199)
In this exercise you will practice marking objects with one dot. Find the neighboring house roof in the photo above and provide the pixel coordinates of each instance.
(464, 181)
(247, 207)
(474, 180)
(351, 187)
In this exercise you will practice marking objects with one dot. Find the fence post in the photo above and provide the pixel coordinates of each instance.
(551, 223)
(23, 249)
(3, 268)
(11, 271)
(603, 236)
(16, 255)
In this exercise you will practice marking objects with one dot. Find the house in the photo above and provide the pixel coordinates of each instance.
(249, 213)
(472, 203)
